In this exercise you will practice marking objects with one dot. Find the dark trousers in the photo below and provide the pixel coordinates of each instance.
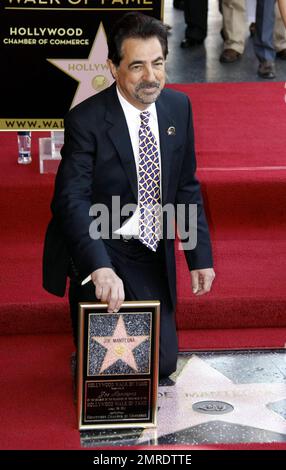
(144, 277)
(196, 19)
(263, 39)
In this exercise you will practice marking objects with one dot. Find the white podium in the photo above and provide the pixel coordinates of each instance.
(49, 152)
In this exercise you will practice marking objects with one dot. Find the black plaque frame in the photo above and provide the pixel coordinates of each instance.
(115, 394)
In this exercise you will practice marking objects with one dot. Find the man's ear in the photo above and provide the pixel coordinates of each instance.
(112, 68)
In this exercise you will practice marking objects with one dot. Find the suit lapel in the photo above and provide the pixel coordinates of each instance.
(120, 137)
(166, 144)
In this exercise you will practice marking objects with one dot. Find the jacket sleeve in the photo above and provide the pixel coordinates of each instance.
(73, 197)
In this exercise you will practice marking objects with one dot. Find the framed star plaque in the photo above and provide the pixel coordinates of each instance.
(118, 356)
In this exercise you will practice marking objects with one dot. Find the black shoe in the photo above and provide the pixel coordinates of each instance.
(166, 382)
(266, 69)
(186, 43)
(252, 27)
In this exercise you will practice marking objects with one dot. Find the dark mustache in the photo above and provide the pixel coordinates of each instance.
(145, 85)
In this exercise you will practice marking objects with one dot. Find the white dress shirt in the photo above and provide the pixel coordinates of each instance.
(132, 116)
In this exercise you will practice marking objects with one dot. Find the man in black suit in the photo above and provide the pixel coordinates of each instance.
(106, 137)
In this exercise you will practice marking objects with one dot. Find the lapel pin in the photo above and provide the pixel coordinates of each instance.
(171, 130)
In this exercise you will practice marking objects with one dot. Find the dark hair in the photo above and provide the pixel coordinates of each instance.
(135, 25)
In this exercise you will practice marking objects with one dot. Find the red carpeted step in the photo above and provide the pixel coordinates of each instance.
(25, 307)
(36, 393)
(241, 161)
(249, 290)
(247, 293)
(247, 204)
(238, 124)
(232, 339)
(240, 203)
(25, 194)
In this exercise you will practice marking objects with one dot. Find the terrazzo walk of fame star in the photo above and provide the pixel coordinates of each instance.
(225, 397)
(114, 348)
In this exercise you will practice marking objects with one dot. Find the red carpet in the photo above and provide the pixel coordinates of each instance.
(37, 409)
(240, 141)
(239, 124)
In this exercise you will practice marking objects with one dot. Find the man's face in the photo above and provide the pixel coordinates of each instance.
(140, 75)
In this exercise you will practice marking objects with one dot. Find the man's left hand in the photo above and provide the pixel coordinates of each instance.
(202, 280)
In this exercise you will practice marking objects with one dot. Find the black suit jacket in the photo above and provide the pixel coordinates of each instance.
(97, 164)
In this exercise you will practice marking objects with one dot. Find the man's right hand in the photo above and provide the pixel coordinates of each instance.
(108, 288)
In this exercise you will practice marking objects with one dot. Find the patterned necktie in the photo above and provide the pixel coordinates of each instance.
(149, 186)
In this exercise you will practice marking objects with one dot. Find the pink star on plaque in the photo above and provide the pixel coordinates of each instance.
(119, 346)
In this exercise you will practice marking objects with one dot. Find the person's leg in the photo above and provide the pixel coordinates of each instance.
(144, 277)
(196, 19)
(234, 24)
(78, 294)
(151, 284)
(279, 35)
(263, 39)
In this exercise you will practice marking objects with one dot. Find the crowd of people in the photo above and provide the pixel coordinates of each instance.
(268, 30)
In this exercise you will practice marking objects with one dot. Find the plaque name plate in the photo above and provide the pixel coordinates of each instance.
(118, 354)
